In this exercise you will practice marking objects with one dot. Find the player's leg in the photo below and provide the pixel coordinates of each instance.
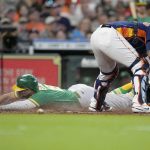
(140, 84)
(108, 71)
(85, 94)
(119, 102)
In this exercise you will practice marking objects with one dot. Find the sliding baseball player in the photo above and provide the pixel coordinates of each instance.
(35, 94)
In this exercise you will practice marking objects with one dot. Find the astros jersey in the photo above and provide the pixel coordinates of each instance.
(134, 29)
(47, 94)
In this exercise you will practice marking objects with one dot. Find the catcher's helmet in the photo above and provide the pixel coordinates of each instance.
(26, 81)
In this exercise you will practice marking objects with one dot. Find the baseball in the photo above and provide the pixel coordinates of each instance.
(40, 111)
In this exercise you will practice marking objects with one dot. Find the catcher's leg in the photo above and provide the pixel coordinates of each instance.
(101, 86)
(140, 69)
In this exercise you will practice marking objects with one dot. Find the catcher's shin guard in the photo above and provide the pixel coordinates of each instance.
(101, 86)
(140, 81)
(140, 85)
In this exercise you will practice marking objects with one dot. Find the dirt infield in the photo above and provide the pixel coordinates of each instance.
(67, 109)
(52, 111)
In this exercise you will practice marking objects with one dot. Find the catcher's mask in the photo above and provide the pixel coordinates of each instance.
(26, 81)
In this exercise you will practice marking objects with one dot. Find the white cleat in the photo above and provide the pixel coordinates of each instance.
(92, 109)
(93, 104)
(137, 108)
(104, 108)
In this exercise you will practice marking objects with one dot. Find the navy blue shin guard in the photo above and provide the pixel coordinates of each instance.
(140, 69)
(140, 84)
(102, 86)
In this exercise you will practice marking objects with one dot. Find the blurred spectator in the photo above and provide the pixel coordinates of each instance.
(64, 24)
(55, 10)
(61, 19)
(33, 34)
(9, 32)
(22, 9)
(61, 35)
(50, 28)
(82, 32)
(108, 7)
(148, 8)
(23, 35)
(122, 11)
(34, 21)
(88, 9)
(141, 12)
(37, 4)
(22, 31)
(101, 18)
(12, 15)
(73, 13)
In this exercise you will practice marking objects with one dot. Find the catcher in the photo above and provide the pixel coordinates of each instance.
(129, 44)
(29, 93)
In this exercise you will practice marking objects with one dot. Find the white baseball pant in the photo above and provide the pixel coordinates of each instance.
(109, 47)
(121, 102)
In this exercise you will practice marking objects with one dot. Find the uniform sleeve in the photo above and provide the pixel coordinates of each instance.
(44, 97)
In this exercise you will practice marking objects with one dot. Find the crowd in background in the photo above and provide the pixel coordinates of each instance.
(63, 19)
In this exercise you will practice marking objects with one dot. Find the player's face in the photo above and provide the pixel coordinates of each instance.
(141, 9)
(25, 93)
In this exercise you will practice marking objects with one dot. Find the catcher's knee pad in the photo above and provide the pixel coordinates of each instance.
(102, 84)
(140, 71)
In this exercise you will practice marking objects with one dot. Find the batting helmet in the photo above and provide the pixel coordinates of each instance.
(26, 81)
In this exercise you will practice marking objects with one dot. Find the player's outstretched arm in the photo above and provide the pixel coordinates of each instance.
(19, 105)
(8, 97)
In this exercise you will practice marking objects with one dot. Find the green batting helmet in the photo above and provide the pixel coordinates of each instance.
(26, 81)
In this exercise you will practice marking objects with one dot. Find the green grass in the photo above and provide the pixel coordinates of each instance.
(74, 132)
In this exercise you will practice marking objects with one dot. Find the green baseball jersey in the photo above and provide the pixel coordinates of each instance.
(48, 94)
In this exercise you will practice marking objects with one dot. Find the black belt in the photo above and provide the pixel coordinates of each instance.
(106, 26)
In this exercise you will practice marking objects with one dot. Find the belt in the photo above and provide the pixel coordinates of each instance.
(106, 26)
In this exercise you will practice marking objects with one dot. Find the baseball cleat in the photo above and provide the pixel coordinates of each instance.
(104, 107)
(93, 105)
(137, 108)
(92, 109)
